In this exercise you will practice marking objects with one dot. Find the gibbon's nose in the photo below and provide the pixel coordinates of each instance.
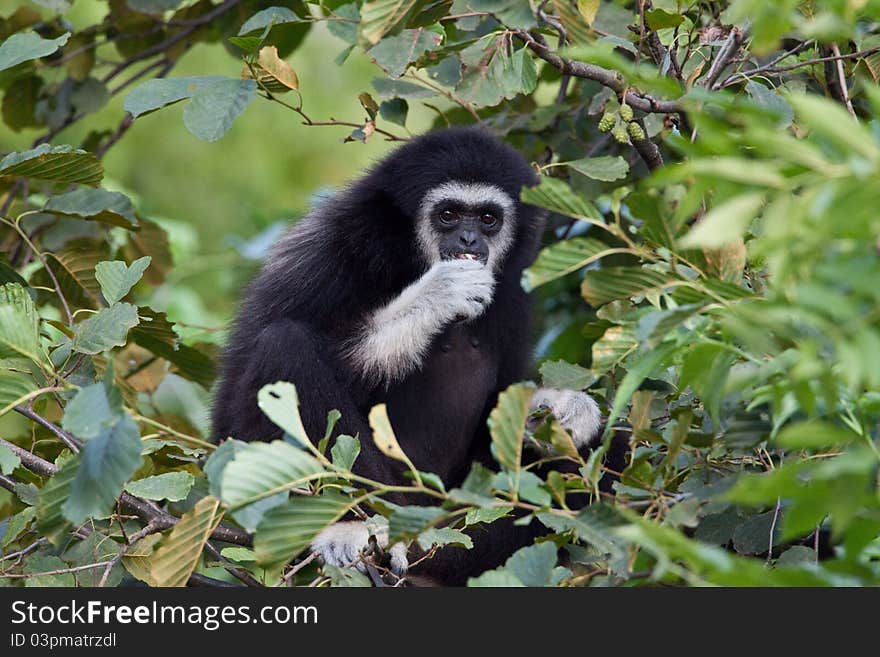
(468, 237)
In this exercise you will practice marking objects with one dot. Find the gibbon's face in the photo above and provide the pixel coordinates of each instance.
(467, 221)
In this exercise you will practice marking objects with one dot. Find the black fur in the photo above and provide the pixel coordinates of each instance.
(354, 254)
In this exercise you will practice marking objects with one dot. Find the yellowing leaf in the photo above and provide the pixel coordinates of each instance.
(588, 9)
(276, 67)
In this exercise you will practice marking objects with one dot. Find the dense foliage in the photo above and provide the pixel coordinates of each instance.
(711, 275)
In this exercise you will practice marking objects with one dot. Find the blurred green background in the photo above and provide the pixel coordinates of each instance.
(226, 200)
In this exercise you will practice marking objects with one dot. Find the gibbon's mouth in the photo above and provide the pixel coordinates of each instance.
(467, 255)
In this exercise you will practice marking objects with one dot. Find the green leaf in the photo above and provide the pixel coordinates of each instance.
(345, 451)
(44, 563)
(171, 486)
(386, 88)
(605, 168)
(346, 577)
(116, 278)
(217, 462)
(63, 164)
(507, 423)
(555, 195)
(603, 285)
(93, 410)
(828, 118)
(660, 19)
(567, 376)
(724, 223)
(409, 521)
(17, 524)
(512, 13)
(638, 372)
(394, 54)
(771, 101)
(19, 325)
(153, 6)
(107, 462)
(107, 329)
(499, 578)
(287, 530)
(94, 205)
(444, 536)
(705, 369)
(216, 105)
(814, 434)
(565, 257)
(533, 565)
(612, 348)
(266, 17)
(265, 471)
(160, 92)
(380, 17)
(394, 111)
(9, 460)
(25, 46)
(280, 403)
(51, 522)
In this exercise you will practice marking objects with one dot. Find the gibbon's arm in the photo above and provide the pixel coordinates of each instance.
(395, 338)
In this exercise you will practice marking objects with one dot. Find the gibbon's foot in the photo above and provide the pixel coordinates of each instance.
(342, 544)
(576, 411)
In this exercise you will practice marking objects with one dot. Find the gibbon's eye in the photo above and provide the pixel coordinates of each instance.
(447, 216)
(488, 219)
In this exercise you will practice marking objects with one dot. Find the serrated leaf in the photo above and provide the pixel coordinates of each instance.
(17, 524)
(116, 278)
(606, 168)
(643, 367)
(441, 536)
(19, 325)
(346, 577)
(160, 92)
(566, 376)
(94, 205)
(287, 530)
(562, 258)
(556, 195)
(25, 46)
(409, 521)
(56, 163)
(345, 451)
(386, 88)
(171, 486)
(216, 105)
(265, 471)
(74, 268)
(107, 462)
(280, 402)
(266, 17)
(603, 285)
(107, 329)
(93, 410)
(14, 386)
(379, 17)
(394, 54)
(507, 424)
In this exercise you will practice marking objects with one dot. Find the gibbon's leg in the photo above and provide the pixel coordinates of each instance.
(395, 338)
